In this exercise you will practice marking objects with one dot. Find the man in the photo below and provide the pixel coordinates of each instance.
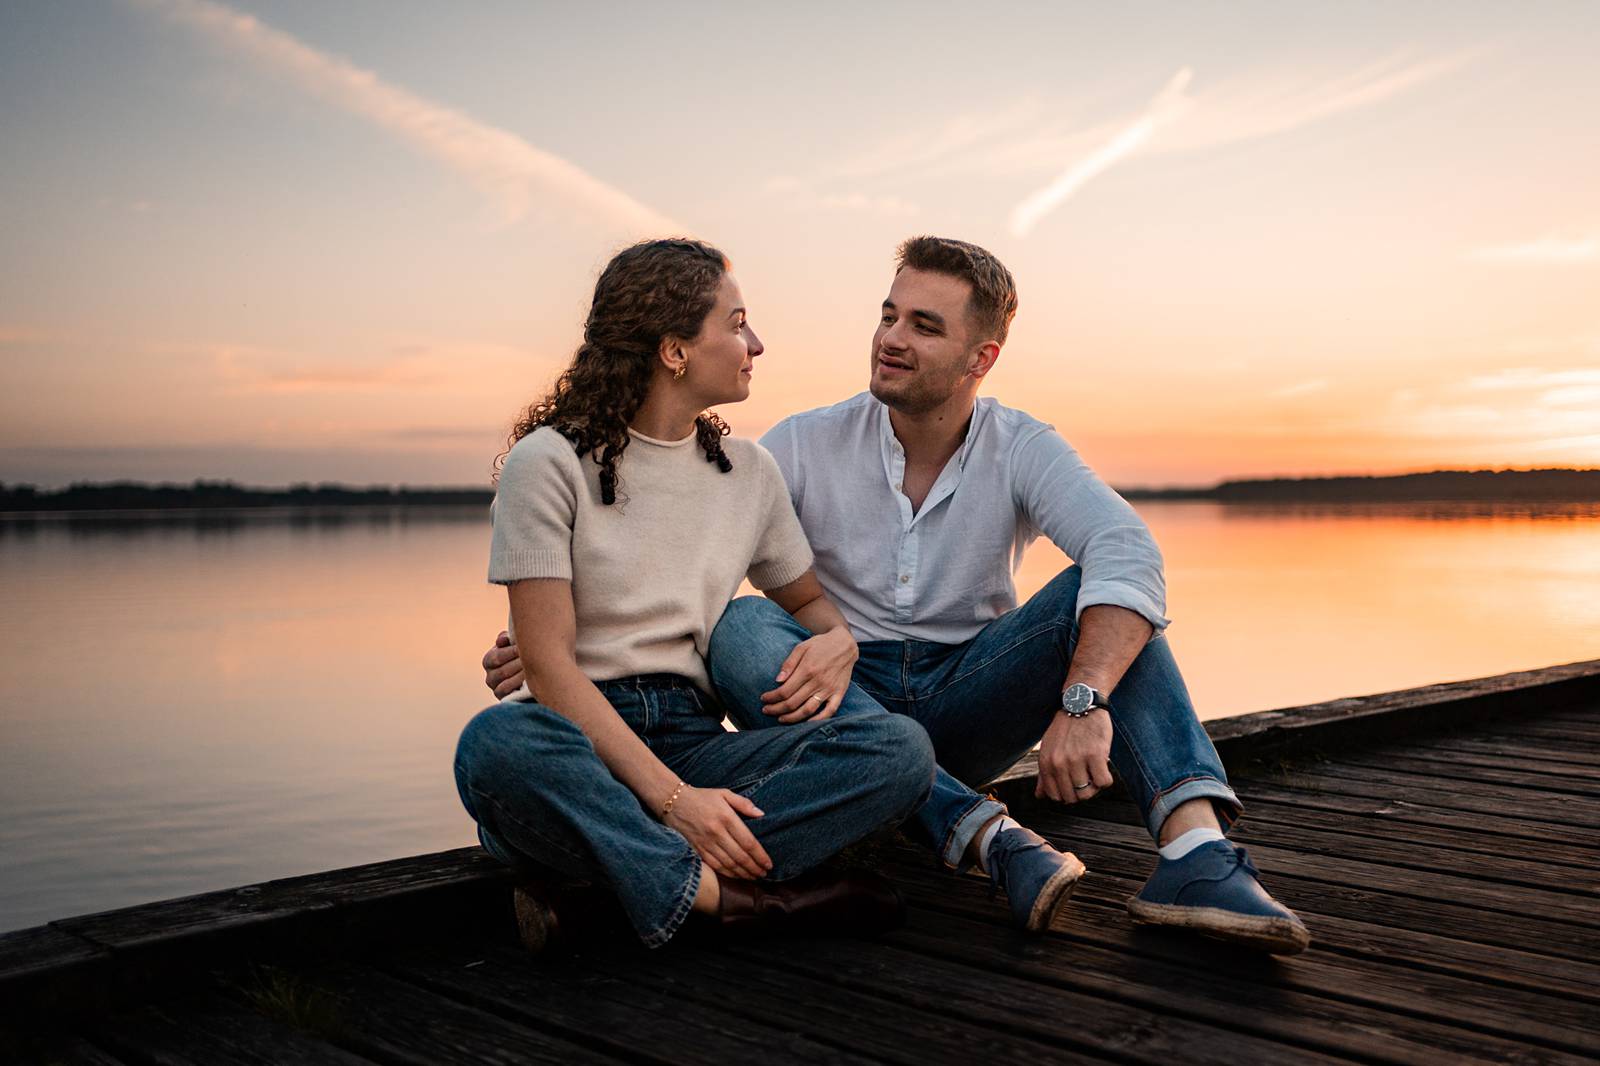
(918, 499)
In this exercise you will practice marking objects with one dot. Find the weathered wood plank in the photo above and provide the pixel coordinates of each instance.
(1557, 758)
(1459, 998)
(393, 1021)
(569, 998)
(1578, 733)
(1399, 813)
(42, 966)
(63, 1051)
(862, 1020)
(696, 1015)
(1482, 799)
(1438, 772)
(1367, 719)
(1555, 925)
(353, 893)
(208, 1030)
(1560, 860)
(1457, 866)
(1480, 857)
(1533, 773)
(1218, 992)
(1083, 1018)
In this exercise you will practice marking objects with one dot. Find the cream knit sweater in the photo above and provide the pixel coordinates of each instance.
(652, 573)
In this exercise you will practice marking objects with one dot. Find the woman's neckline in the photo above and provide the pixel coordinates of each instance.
(661, 443)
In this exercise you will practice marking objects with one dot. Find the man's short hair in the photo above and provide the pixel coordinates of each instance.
(993, 302)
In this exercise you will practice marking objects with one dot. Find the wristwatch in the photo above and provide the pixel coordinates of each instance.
(1079, 699)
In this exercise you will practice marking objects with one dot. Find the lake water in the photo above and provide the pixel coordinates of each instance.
(194, 703)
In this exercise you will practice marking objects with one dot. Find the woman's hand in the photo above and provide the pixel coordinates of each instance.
(709, 819)
(813, 679)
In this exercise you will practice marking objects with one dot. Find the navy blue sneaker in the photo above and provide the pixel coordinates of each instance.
(1036, 878)
(1213, 890)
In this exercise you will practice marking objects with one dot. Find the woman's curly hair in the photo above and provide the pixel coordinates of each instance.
(651, 291)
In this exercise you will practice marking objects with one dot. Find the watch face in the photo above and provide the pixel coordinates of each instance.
(1077, 699)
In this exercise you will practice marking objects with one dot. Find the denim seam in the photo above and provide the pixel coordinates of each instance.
(827, 732)
(1144, 771)
(997, 656)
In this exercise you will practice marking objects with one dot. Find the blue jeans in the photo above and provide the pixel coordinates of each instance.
(987, 702)
(543, 799)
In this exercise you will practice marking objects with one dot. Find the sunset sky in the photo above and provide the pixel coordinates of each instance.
(307, 241)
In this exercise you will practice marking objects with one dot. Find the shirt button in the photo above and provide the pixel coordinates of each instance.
(905, 579)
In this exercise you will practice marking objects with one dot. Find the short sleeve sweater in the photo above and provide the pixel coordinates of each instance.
(652, 573)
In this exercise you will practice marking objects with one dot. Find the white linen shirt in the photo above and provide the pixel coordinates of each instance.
(945, 572)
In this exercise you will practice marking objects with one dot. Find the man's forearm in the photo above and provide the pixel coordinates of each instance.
(1109, 639)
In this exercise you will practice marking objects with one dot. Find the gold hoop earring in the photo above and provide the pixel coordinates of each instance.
(683, 368)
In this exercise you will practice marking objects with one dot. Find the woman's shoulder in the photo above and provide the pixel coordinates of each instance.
(542, 453)
(755, 466)
(543, 445)
(742, 451)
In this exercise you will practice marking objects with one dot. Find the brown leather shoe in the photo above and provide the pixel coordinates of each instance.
(538, 924)
(857, 903)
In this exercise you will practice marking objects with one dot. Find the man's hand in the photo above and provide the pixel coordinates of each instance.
(813, 678)
(502, 668)
(1075, 751)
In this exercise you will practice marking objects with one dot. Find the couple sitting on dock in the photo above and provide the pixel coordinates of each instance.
(888, 670)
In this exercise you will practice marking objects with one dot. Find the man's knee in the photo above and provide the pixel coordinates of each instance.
(744, 612)
(1060, 593)
(748, 643)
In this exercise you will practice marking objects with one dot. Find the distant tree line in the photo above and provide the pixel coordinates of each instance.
(207, 495)
(1487, 485)
(1545, 485)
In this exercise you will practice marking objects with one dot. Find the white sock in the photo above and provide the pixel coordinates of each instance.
(984, 842)
(1189, 841)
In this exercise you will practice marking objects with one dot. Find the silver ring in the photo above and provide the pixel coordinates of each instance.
(1080, 788)
(813, 698)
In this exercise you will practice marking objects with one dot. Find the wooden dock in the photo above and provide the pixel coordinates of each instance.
(1443, 845)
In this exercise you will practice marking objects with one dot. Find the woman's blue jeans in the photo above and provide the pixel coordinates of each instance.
(543, 799)
(987, 702)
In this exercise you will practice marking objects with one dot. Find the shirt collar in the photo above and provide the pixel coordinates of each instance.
(891, 443)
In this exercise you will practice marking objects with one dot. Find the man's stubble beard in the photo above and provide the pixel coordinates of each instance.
(926, 394)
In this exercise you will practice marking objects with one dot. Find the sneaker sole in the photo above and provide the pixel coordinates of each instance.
(1279, 936)
(1055, 893)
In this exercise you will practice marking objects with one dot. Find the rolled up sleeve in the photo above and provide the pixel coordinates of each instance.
(1068, 503)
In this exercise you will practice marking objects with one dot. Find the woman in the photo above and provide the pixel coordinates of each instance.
(624, 522)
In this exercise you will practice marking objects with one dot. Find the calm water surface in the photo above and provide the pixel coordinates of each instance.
(189, 704)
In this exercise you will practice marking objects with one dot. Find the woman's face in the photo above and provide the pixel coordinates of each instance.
(722, 355)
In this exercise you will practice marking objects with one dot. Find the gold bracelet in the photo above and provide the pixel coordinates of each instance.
(671, 800)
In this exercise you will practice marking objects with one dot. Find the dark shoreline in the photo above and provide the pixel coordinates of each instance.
(1439, 486)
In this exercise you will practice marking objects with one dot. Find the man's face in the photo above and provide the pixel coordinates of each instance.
(921, 350)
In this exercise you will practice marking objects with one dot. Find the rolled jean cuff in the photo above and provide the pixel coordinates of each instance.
(1226, 803)
(965, 828)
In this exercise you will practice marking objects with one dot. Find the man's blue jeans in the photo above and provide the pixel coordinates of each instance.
(543, 799)
(987, 702)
